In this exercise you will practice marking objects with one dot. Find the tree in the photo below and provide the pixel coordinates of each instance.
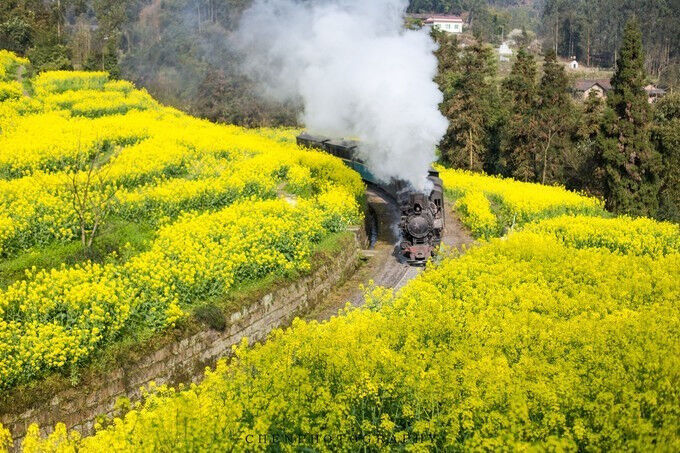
(16, 35)
(554, 121)
(591, 30)
(92, 196)
(469, 98)
(666, 138)
(580, 166)
(629, 163)
(518, 147)
(524, 39)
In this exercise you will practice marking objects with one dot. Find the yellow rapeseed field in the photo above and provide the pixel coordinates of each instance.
(562, 335)
(512, 203)
(230, 206)
(537, 341)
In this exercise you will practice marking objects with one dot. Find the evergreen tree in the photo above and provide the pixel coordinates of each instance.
(447, 54)
(579, 159)
(518, 137)
(554, 122)
(591, 119)
(629, 163)
(469, 94)
(666, 137)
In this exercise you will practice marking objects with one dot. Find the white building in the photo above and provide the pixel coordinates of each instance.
(505, 52)
(449, 24)
(573, 64)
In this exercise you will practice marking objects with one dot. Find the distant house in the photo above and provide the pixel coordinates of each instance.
(583, 88)
(573, 64)
(449, 24)
(654, 93)
(504, 52)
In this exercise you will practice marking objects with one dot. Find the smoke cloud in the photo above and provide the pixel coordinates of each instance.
(357, 72)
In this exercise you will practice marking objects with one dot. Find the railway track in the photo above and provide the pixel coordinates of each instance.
(384, 265)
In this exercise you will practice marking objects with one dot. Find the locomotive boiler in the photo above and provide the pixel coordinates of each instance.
(421, 214)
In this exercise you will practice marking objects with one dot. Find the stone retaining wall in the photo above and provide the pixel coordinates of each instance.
(186, 359)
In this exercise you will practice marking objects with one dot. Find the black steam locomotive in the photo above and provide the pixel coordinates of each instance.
(422, 214)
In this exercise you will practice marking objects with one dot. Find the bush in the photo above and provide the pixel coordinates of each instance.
(10, 90)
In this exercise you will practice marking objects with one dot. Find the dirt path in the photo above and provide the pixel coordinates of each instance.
(21, 70)
(382, 264)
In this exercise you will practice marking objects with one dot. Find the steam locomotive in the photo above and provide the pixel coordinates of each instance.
(422, 214)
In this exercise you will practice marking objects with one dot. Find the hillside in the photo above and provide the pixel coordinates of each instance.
(558, 330)
(121, 219)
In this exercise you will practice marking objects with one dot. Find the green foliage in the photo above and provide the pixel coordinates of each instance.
(630, 165)
(521, 92)
(666, 138)
(555, 121)
(181, 53)
(488, 20)
(591, 30)
(470, 103)
(50, 58)
(16, 35)
(121, 238)
(212, 315)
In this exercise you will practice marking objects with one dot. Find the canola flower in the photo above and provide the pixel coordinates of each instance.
(9, 61)
(522, 343)
(475, 212)
(10, 90)
(51, 82)
(97, 103)
(514, 203)
(162, 161)
(35, 210)
(624, 235)
(561, 336)
(59, 317)
(205, 186)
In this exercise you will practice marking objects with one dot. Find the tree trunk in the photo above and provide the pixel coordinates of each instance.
(545, 156)
(198, 8)
(59, 19)
(571, 39)
(470, 147)
(588, 46)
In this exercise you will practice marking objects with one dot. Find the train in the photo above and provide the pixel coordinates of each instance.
(422, 218)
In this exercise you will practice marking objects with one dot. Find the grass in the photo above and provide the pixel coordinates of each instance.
(120, 239)
(134, 345)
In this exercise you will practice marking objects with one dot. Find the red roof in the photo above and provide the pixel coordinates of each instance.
(443, 18)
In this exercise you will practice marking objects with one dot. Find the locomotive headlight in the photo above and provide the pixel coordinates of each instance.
(418, 226)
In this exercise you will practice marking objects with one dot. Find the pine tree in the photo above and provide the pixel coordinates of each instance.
(580, 166)
(630, 165)
(469, 101)
(554, 121)
(591, 119)
(666, 137)
(518, 146)
(447, 54)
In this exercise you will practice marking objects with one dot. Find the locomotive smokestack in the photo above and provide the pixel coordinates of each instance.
(358, 73)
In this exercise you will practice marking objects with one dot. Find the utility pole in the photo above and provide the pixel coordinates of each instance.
(59, 19)
(106, 39)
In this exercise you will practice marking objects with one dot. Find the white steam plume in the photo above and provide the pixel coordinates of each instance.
(358, 73)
